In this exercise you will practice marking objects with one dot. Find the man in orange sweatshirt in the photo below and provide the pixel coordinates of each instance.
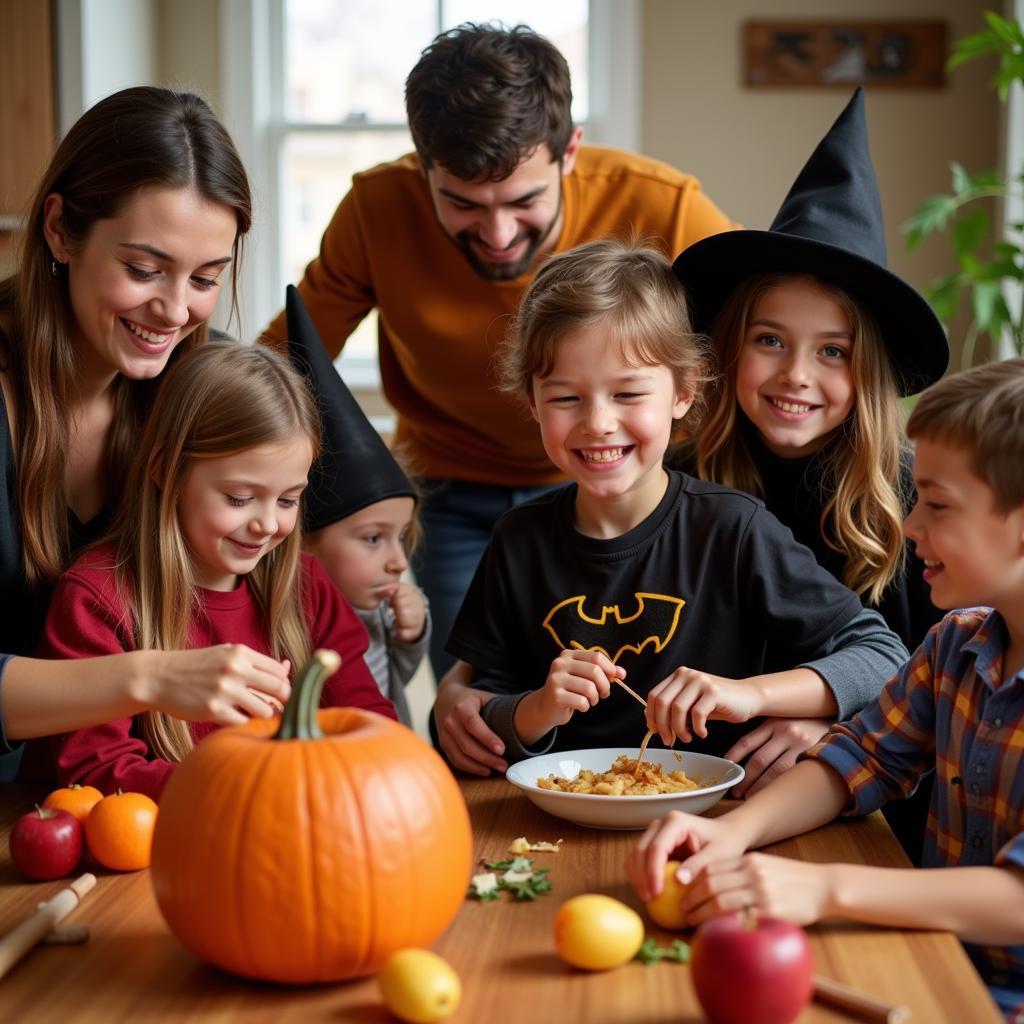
(443, 243)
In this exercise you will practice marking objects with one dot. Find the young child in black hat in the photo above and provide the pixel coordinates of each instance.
(360, 519)
(956, 708)
(815, 342)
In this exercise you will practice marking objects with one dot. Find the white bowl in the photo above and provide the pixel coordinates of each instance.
(715, 774)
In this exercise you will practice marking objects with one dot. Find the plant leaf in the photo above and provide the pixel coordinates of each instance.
(1007, 31)
(973, 46)
(943, 294)
(985, 304)
(968, 232)
(932, 215)
(961, 179)
(650, 952)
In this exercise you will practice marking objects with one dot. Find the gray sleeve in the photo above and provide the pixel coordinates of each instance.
(859, 660)
(499, 715)
(406, 658)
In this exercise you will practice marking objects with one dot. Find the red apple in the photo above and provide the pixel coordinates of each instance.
(748, 968)
(46, 843)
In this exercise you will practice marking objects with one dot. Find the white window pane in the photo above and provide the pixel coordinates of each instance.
(316, 172)
(563, 22)
(347, 60)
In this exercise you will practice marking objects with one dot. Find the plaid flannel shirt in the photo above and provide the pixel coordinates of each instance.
(949, 708)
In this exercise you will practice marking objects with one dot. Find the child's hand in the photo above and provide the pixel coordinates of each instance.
(576, 682)
(776, 744)
(410, 612)
(682, 704)
(701, 840)
(793, 890)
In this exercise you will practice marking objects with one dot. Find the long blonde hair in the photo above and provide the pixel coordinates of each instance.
(863, 511)
(143, 136)
(222, 399)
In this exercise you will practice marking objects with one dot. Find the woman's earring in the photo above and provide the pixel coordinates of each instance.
(55, 265)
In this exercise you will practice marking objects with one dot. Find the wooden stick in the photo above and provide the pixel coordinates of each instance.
(632, 693)
(643, 750)
(17, 942)
(858, 1003)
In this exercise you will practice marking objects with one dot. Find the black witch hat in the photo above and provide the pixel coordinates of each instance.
(830, 225)
(355, 468)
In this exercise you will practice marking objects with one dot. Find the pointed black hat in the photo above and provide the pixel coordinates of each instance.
(355, 468)
(830, 225)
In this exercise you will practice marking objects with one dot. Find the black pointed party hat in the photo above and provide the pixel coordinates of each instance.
(355, 468)
(830, 225)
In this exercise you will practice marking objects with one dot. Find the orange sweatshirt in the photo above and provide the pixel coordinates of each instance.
(440, 322)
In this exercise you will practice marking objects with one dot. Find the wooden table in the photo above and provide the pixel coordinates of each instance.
(132, 968)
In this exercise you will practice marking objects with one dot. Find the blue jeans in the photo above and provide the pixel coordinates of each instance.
(457, 518)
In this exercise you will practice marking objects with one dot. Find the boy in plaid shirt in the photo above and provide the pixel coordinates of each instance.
(957, 706)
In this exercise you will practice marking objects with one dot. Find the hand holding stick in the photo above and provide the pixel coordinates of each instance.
(17, 942)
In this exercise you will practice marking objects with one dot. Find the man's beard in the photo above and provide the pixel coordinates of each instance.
(507, 271)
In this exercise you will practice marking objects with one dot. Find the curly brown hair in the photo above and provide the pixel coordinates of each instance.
(482, 98)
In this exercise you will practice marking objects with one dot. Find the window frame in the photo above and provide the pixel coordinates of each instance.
(253, 101)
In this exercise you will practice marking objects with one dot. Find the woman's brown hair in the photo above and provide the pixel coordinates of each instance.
(137, 138)
(222, 399)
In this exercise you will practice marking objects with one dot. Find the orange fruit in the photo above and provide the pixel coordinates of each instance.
(119, 831)
(419, 987)
(596, 932)
(666, 908)
(75, 799)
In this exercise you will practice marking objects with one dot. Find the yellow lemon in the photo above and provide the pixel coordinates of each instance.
(596, 932)
(419, 987)
(665, 909)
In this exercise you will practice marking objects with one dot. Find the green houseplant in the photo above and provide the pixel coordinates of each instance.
(989, 264)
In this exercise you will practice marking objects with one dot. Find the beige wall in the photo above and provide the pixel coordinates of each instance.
(187, 41)
(747, 145)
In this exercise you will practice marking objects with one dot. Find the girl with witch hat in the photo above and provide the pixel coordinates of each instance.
(816, 341)
(359, 519)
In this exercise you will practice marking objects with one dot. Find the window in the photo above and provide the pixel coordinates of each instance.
(321, 96)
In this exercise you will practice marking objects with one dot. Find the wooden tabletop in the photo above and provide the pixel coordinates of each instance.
(132, 968)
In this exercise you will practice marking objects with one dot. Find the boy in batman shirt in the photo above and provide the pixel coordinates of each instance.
(692, 593)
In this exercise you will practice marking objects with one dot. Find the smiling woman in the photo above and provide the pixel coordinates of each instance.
(132, 228)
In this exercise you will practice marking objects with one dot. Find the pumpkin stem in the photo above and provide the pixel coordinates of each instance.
(299, 719)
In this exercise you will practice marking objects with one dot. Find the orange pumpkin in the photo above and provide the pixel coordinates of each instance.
(310, 852)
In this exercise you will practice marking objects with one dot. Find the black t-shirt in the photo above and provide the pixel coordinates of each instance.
(796, 494)
(710, 580)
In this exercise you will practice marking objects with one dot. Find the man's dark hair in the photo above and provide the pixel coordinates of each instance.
(483, 97)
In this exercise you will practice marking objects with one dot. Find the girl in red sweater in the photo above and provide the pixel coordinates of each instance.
(204, 550)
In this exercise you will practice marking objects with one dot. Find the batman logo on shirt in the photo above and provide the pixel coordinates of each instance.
(612, 632)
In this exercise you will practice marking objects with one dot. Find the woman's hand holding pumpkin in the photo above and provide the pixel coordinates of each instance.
(227, 684)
